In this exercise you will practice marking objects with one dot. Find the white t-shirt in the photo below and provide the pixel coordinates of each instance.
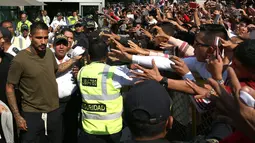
(57, 23)
(66, 84)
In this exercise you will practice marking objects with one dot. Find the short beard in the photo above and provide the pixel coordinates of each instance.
(41, 54)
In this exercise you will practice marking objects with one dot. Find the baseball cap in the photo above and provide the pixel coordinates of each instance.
(24, 27)
(78, 25)
(94, 36)
(147, 103)
(105, 30)
(59, 14)
(90, 16)
(60, 38)
(90, 24)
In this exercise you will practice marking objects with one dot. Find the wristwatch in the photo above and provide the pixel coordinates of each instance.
(164, 82)
(221, 81)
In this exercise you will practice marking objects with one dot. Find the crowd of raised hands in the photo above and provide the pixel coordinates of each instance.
(230, 103)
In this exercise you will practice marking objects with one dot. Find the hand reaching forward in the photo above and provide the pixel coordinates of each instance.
(180, 67)
(137, 49)
(234, 106)
(148, 73)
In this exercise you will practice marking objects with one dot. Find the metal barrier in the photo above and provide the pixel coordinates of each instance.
(188, 122)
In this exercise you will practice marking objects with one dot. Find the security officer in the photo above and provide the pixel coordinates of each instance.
(79, 35)
(25, 34)
(102, 103)
(24, 20)
(71, 19)
(90, 18)
(89, 26)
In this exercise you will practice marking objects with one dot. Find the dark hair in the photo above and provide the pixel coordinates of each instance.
(5, 21)
(186, 36)
(38, 25)
(146, 130)
(23, 12)
(153, 13)
(66, 30)
(245, 20)
(168, 28)
(215, 29)
(7, 35)
(209, 32)
(245, 53)
(97, 50)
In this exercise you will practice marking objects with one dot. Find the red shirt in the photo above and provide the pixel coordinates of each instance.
(237, 136)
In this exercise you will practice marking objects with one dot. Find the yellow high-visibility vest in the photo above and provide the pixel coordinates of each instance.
(102, 103)
(27, 22)
(71, 20)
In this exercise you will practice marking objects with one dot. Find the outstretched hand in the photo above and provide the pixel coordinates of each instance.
(117, 55)
(137, 49)
(160, 32)
(152, 73)
(234, 106)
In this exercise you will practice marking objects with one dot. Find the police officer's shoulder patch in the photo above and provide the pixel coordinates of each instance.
(15, 50)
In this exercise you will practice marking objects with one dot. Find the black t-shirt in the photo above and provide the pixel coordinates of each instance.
(82, 40)
(4, 68)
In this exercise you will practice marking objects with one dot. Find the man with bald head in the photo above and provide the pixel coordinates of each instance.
(23, 20)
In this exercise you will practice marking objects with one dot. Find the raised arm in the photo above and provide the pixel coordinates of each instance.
(196, 18)
(67, 65)
(154, 74)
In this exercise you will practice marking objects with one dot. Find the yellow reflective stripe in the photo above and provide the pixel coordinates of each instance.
(101, 97)
(101, 117)
(104, 79)
(104, 95)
